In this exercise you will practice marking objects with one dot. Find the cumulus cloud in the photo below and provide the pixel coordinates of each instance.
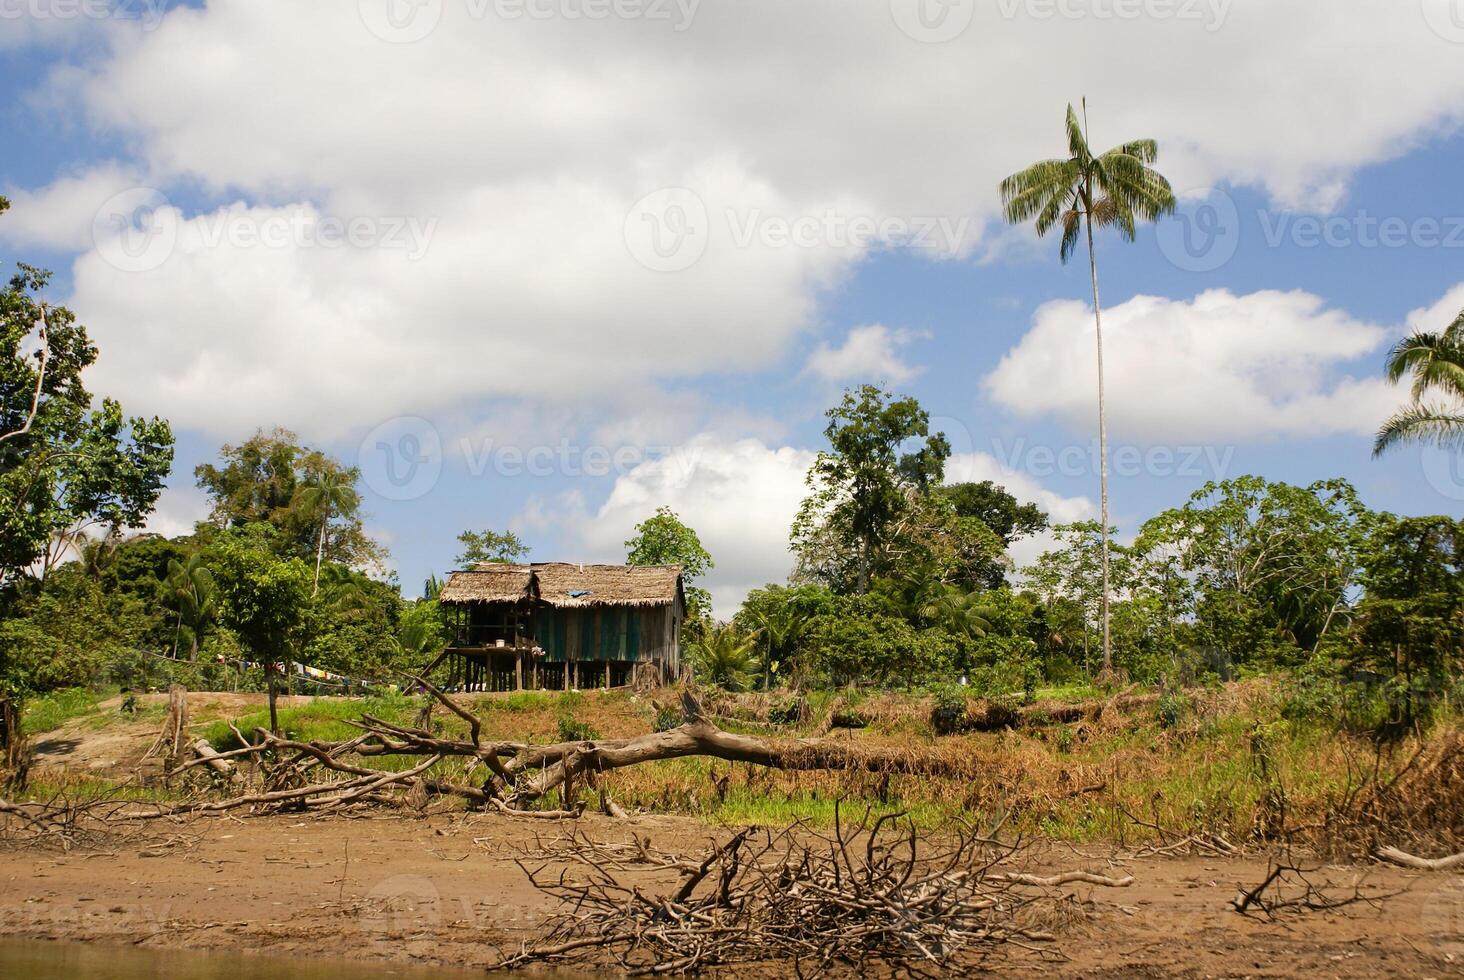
(739, 495)
(1217, 367)
(870, 353)
(63, 215)
(529, 141)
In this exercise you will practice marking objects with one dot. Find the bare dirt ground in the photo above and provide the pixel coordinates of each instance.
(445, 890)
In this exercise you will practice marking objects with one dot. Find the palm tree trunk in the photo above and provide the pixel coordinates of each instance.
(1102, 443)
(319, 553)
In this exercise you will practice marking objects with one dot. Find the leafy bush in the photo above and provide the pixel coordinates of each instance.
(576, 731)
(948, 715)
(1171, 709)
(667, 718)
(788, 712)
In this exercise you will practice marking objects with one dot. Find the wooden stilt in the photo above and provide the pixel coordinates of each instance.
(607, 675)
(566, 675)
(518, 671)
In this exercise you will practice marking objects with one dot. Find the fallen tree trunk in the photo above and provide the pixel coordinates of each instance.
(1406, 860)
(702, 738)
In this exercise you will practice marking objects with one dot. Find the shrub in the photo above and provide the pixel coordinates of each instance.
(948, 714)
(576, 731)
(667, 718)
(1171, 709)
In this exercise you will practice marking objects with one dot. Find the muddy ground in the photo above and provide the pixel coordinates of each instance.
(445, 890)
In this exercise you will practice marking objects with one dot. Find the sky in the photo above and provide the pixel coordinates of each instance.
(547, 265)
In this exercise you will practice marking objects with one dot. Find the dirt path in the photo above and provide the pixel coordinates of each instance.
(445, 890)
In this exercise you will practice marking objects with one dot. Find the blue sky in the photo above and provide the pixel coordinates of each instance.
(548, 266)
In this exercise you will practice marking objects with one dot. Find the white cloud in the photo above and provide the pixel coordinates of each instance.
(529, 140)
(62, 215)
(740, 496)
(870, 353)
(1438, 316)
(178, 509)
(1218, 367)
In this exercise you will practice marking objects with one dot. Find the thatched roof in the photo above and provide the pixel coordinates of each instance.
(489, 583)
(565, 585)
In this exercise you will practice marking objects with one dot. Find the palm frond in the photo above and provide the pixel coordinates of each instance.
(1077, 140)
(1428, 424)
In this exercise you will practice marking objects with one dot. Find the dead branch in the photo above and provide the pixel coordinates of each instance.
(1068, 878)
(867, 894)
(1403, 858)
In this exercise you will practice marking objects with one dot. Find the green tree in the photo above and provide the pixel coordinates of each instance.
(1436, 363)
(1082, 191)
(663, 539)
(780, 617)
(490, 546)
(1271, 564)
(1409, 624)
(66, 635)
(64, 465)
(265, 601)
(863, 485)
(272, 479)
(1006, 517)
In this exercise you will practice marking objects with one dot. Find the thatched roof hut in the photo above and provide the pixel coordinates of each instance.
(604, 619)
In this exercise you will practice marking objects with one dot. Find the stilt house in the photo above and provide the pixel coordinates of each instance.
(554, 626)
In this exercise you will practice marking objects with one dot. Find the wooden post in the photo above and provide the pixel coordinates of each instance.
(566, 675)
(607, 675)
(518, 671)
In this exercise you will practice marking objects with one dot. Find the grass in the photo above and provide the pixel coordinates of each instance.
(49, 712)
(323, 719)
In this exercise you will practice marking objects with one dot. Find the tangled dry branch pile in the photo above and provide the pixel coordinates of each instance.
(874, 892)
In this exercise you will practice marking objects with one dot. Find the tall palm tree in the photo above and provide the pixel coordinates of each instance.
(1114, 189)
(1436, 362)
(327, 495)
(190, 585)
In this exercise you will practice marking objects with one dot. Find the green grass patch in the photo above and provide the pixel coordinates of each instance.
(325, 719)
(50, 711)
